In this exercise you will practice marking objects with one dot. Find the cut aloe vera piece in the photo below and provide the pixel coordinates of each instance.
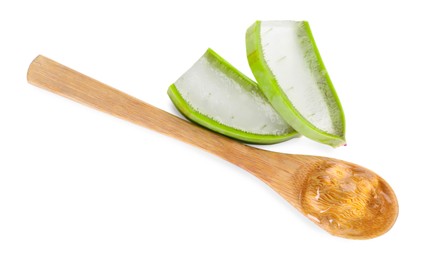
(217, 96)
(287, 65)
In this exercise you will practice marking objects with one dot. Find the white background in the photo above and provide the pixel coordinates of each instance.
(79, 184)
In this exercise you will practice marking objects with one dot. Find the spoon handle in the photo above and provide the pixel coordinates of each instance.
(50, 75)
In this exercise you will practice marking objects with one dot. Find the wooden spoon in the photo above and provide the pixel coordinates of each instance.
(345, 199)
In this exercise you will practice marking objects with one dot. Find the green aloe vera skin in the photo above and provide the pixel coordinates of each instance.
(286, 63)
(214, 94)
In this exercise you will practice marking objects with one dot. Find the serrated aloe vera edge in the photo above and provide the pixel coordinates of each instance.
(278, 98)
(188, 110)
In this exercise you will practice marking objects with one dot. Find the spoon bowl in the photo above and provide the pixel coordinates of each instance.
(343, 198)
(346, 199)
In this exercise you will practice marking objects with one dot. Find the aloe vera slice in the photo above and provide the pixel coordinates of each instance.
(217, 96)
(286, 63)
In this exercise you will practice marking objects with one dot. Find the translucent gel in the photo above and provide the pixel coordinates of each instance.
(348, 200)
(288, 51)
(217, 94)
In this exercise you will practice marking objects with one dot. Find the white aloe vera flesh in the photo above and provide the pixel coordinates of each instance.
(216, 95)
(288, 67)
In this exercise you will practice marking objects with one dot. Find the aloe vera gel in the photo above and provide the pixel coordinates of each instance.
(287, 65)
(215, 94)
(293, 94)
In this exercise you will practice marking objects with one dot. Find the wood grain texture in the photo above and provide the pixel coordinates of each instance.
(300, 179)
(50, 75)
